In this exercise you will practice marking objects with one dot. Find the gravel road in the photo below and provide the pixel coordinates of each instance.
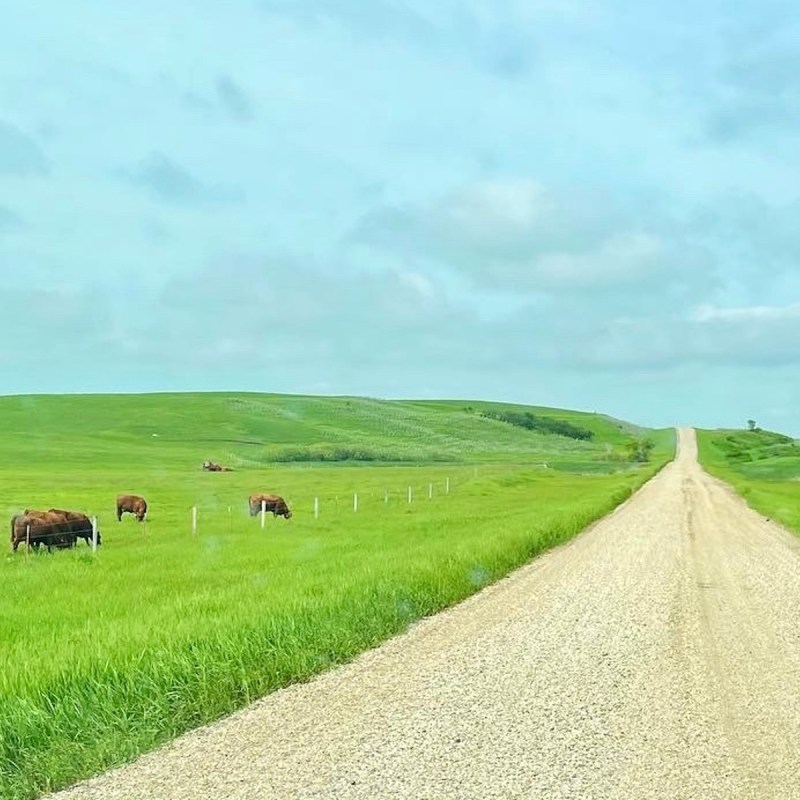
(657, 655)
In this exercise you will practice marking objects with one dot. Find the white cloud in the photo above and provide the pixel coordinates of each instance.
(707, 334)
(747, 314)
(622, 259)
(517, 234)
(496, 213)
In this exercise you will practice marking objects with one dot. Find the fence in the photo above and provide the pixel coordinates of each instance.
(319, 504)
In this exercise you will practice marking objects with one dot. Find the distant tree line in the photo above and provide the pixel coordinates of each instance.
(533, 422)
(335, 453)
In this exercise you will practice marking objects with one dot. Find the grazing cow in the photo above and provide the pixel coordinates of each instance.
(42, 528)
(272, 502)
(131, 504)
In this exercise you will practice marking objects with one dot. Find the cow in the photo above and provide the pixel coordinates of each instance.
(42, 528)
(78, 524)
(131, 504)
(210, 466)
(272, 502)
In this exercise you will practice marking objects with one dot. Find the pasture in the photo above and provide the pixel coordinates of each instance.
(107, 655)
(763, 467)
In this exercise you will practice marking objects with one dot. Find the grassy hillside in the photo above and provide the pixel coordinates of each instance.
(253, 429)
(110, 654)
(763, 466)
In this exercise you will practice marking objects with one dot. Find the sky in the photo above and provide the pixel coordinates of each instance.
(591, 206)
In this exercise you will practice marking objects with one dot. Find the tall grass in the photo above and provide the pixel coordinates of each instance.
(109, 655)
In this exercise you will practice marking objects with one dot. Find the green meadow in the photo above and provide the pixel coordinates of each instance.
(110, 654)
(763, 467)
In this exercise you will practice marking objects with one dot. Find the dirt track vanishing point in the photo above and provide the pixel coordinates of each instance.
(657, 655)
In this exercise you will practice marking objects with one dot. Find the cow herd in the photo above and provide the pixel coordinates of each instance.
(55, 527)
(58, 528)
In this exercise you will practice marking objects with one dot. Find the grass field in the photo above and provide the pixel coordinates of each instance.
(763, 467)
(107, 655)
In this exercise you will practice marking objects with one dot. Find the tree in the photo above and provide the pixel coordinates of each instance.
(640, 449)
(751, 424)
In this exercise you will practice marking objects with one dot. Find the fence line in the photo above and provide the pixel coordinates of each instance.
(318, 508)
(321, 503)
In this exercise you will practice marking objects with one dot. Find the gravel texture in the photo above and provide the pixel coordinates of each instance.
(657, 655)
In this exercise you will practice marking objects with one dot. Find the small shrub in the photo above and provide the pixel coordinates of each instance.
(639, 450)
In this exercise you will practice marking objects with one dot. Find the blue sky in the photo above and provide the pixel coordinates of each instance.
(540, 202)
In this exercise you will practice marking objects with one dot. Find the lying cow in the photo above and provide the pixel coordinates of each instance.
(272, 502)
(210, 466)
(52, 528)
(131, 504)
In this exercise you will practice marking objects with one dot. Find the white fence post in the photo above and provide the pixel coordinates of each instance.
(94, 534)
(386, 497)
(430, 491)
(355, 501)
(263, 512)
(409, 494)
(27, 540)
(316, 508)
(194, 520)
(447, 485)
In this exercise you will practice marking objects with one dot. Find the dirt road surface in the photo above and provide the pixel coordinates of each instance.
(657, 655)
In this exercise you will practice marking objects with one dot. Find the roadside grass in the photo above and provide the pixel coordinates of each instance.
(762, 466)
(106, 656)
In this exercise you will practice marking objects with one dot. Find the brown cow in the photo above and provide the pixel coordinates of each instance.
(42, 528)
(131, 504)
(210, 466)
(272, 502)
(78, 524)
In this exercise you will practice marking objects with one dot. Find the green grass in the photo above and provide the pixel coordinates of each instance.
(762, 466)
(109, 655)
(254, 430)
